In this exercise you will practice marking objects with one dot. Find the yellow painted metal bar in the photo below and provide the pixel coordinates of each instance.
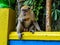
(6, 24)
(37, 36)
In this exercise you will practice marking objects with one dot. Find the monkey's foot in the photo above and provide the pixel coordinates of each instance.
(39, 30)
(32, 31)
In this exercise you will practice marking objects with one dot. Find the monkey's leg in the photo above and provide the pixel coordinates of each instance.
(36, 26)
(19, 29)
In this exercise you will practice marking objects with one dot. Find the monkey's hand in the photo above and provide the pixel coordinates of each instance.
(20, 35)
(20, 19)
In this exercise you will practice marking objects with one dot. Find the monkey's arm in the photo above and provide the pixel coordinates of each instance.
(18, 28)
(32, 16)
(34, 21)
(20, 18)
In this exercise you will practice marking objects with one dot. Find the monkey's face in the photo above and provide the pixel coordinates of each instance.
(25, 10)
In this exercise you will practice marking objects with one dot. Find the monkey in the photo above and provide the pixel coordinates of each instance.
(26, 21)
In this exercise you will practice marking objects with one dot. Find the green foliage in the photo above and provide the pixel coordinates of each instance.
(56, 14)
(55, 9)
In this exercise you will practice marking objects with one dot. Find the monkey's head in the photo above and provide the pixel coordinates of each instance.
(25, 10)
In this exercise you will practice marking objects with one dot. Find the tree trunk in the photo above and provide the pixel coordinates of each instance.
(48, 15)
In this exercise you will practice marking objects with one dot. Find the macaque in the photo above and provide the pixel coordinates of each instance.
(26, 21)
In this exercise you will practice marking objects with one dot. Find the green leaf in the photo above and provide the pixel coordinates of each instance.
(58, 11)
(55, 15)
